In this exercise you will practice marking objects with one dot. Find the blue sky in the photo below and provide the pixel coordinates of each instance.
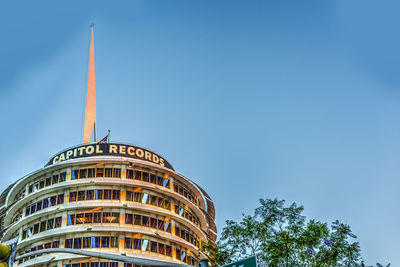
(251, 99)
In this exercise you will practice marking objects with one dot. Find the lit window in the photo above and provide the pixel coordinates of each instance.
(98, 194)
(71, 219)
(145, 198)
(88, 217)
(95, 241)
(145, 245)
(80, 218)
(100, 172)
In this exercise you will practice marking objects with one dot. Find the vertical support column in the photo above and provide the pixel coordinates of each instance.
(123, 172)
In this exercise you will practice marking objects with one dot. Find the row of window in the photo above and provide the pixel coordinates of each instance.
(148, 178)
(147, 245)
(56, 178)
(186, 214)
(99, 172)
(44, 204)
(182, 233)
(96, 194)
(147, 221)
(42, 226)
(93, 217)
(93, 264)
(54, 244)
(92, 242)
(146, 198)
(185, 192)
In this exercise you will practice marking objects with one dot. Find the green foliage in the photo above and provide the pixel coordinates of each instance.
(281, 236)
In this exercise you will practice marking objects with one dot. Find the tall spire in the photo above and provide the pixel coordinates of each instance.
(90, 114)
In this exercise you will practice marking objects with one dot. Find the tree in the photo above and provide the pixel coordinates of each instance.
(281, 236)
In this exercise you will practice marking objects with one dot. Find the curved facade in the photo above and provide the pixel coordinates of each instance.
(110, 198)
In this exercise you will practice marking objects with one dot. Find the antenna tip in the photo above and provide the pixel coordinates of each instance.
(92, 25)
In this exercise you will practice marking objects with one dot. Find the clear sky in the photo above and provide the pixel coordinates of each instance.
(297, 100)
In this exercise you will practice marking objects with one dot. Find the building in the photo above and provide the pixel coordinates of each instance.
(110, 198)
(107, 201)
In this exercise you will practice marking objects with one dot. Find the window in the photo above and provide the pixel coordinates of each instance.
(81, 195)
(146, 221)
(86, 242)
(78, 243)
(71, 219)
(107, 194)
(129, 196)
(137, 220)
(39, 205)
(138, 175)
(159, 180)
(98, 194)
(137, 243)
(43, 226)
(117, 173)
(41, 183)
(95, 241)
(72, 196)
(28, 211)
(68, 243)
(89, 195)
(167, 205)
(82, 173)
(100, 172)
(74, 174)
(153, 246)
(166, 183)
(106, 217)
(153, 223)
(145, 177)
(48, 181)
(161, 225)
(129, 174)
(91, 173)
(114, 242)
(108, 172)
(138, 197)
(145, 198)
(53, 201)
(161, 248)
(115, 217)
(105, 242)
(97, 217)
(80, 218)
(128, 218)
(167, 227)
(33, 208)
(50, 224)
(63, 175)
(160, 202)
(153, 200)
(56, 244)
(115, 195)
(153, 179)
(30, 188)
(35, 228)
(46, 203)
(128, 242)
(60, 199)
(88, 217)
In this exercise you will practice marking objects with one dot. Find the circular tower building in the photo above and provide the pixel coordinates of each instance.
(113, 199)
